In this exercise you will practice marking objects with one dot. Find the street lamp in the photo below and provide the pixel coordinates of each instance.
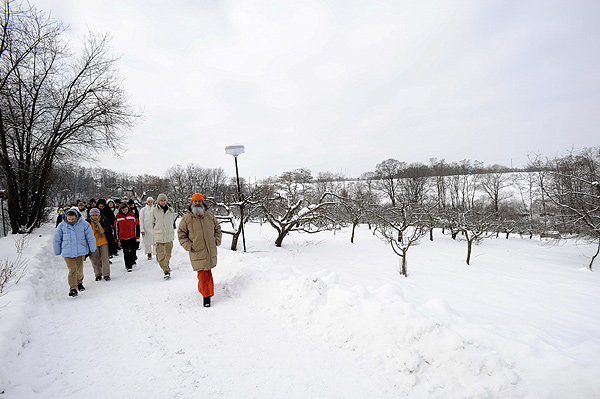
(236, 150)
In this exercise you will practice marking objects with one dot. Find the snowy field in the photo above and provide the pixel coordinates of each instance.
(318, 318)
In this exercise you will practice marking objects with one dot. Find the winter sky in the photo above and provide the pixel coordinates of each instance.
(340, 86)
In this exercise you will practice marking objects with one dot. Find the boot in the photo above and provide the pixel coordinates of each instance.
(80, 287)
(73, 293)
(207, 302)
(149, 256)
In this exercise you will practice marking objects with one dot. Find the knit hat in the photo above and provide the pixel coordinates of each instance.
(197, 196)
(161, 196)
(101, 201)
(131, 202)
(94, 211)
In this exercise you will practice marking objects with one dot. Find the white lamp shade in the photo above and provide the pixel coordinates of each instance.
(235, 150)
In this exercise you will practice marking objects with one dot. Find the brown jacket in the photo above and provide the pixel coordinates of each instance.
(200, 237)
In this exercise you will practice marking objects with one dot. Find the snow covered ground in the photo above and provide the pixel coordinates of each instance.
(318, 318)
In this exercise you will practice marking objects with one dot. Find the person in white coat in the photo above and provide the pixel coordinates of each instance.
(163, 221)
(146, 228)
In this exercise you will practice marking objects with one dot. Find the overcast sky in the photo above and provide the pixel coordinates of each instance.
(340, 86)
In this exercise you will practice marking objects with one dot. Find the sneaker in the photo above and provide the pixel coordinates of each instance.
(98, 278)
(107, 278)
(207, 302)
(80, 287)
(129, 269)
(167, 275)
(73, 293)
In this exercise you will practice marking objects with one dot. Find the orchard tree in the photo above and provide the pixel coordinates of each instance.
(401, 227)
(286, 216)
(358, 204)
(54, 107)
(287, 205)
(475, 226)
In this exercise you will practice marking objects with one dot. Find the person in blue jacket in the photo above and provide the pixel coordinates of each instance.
(74, 239)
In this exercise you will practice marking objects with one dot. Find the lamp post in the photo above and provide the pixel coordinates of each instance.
(236, 150)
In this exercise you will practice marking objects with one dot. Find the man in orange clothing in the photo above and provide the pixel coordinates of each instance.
(199, 233)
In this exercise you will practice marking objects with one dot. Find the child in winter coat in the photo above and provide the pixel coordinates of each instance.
(127, 227)
(104, 238)
(73, 239)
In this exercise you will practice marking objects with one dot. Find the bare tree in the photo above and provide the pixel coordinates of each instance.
(475, 226)
(401, 227)
(356, 205)
(573, 185)
(493, 184)
(297, 184)
(413, 186)
(185, 181)
(387, 173)
(462, 184)
(235, 213)
(440, 171)
(295, 214)
(53, 106)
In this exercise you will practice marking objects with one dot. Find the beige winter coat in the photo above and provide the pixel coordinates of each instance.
(200, 237)
(162, 223)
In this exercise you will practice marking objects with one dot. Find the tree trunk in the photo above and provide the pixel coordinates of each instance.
(280, 238)
(404, 270)
(353, 230)
(234, 241)
(469, 246)
(594, 257)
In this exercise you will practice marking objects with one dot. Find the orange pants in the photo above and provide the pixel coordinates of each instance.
(206, 285)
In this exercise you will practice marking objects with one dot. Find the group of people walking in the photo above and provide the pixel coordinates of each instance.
(99, 228)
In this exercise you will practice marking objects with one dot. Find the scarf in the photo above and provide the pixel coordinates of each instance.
(98, 228)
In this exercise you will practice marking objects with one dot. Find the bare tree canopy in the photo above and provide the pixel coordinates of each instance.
(572, 183)
(53, 106)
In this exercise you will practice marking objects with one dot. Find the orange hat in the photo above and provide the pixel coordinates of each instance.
(197, 196)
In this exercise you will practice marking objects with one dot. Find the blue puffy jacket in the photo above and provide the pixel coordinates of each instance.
(75, 240)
